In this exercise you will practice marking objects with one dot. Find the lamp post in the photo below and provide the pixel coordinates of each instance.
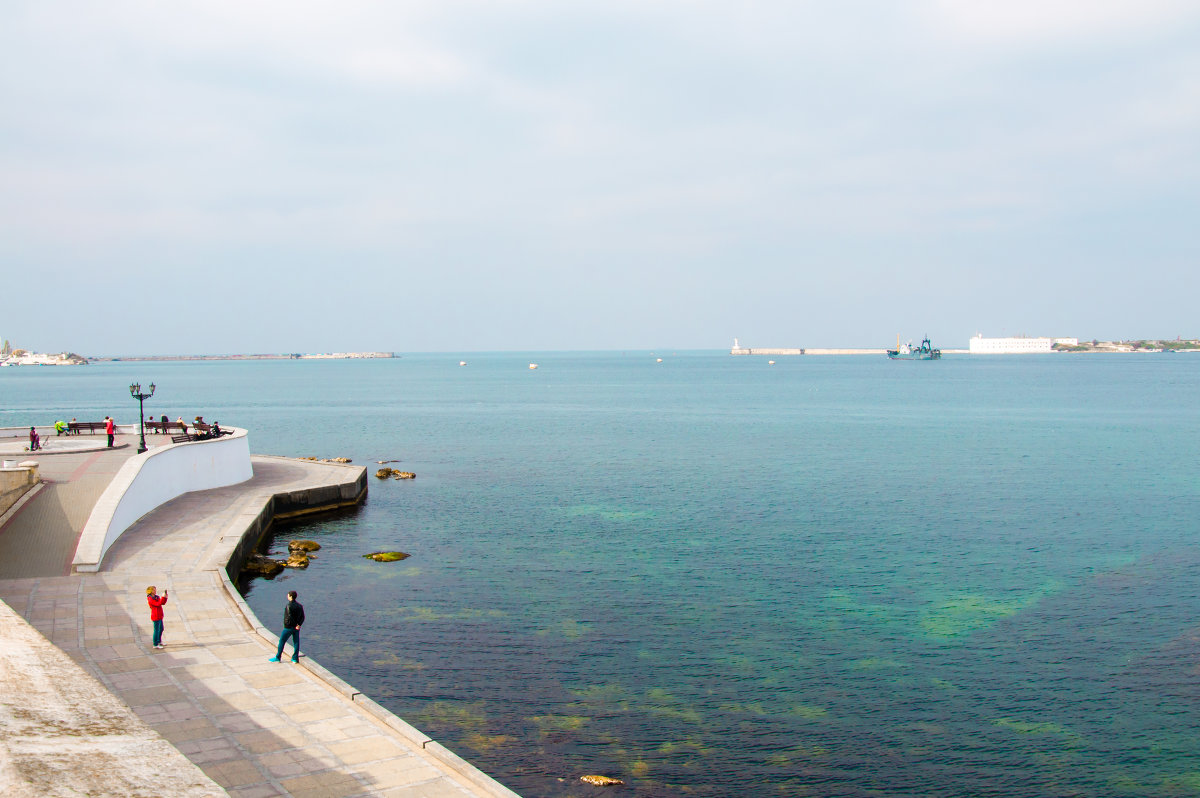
(135, 391)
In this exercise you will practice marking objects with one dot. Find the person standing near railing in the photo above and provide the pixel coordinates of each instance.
(110, 428)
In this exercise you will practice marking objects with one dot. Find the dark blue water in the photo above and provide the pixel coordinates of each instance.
(715, 577)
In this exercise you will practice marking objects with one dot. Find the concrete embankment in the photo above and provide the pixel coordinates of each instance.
(253, 727)
(15, 481)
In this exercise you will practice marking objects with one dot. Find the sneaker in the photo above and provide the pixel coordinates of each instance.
(296, 662)
(273, 659)
(160, 645)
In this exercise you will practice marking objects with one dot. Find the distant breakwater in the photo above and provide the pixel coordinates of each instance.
(757, 351)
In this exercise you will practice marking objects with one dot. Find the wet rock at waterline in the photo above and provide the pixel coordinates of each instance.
(392, 473)
(602, 781)
(386, 556)
(303, 545)
(263, 566)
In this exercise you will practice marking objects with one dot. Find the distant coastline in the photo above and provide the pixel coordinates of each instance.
(1050, 346)
(23, 357)
(264, 356)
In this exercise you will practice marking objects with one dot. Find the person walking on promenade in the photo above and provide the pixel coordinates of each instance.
(110, 428)
(156, 612)
(293, 618)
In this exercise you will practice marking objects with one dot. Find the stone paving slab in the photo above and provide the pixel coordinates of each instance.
(65, 735)
(256, 728)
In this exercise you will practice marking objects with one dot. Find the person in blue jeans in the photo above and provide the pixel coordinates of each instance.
(156, 603)
(293, 619)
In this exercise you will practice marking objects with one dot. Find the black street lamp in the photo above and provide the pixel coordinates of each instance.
(135, 391)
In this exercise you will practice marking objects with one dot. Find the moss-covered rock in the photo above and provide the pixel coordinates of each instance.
(296, 559)
(386, 556)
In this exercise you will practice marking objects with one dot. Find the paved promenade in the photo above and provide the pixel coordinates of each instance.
(255, 727)
(40, 537)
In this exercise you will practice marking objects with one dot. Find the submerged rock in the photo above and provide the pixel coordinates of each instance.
(386, 556)
(297, 559)
(602, 781)
(303, 545)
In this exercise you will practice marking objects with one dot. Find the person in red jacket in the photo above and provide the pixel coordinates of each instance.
(156, 613)
(110, 428)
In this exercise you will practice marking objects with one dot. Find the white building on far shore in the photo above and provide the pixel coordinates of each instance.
(1013, 346)
(36, 359)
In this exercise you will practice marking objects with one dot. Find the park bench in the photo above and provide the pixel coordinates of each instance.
(75, 427)
(165, 427)
(184, 438)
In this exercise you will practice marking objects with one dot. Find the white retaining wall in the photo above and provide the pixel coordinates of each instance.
(154, 478)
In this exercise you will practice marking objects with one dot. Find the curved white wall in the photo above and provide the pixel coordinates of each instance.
(155, 477)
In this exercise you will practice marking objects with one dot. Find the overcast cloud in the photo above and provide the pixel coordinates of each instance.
(299, 176)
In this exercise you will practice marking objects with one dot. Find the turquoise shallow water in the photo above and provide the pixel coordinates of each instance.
(710, 576)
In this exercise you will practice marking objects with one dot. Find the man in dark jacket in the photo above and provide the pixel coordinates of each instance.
(293, 618)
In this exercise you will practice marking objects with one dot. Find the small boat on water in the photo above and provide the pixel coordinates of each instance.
(909, 352)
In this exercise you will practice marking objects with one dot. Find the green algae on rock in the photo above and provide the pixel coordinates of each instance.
(386, 556)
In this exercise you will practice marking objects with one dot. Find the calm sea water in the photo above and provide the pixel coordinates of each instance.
(715, 577)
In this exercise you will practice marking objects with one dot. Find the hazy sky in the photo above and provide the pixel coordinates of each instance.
(413, 176)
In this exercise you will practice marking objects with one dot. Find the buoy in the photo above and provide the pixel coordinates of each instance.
(660, 360)
(770, 362)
